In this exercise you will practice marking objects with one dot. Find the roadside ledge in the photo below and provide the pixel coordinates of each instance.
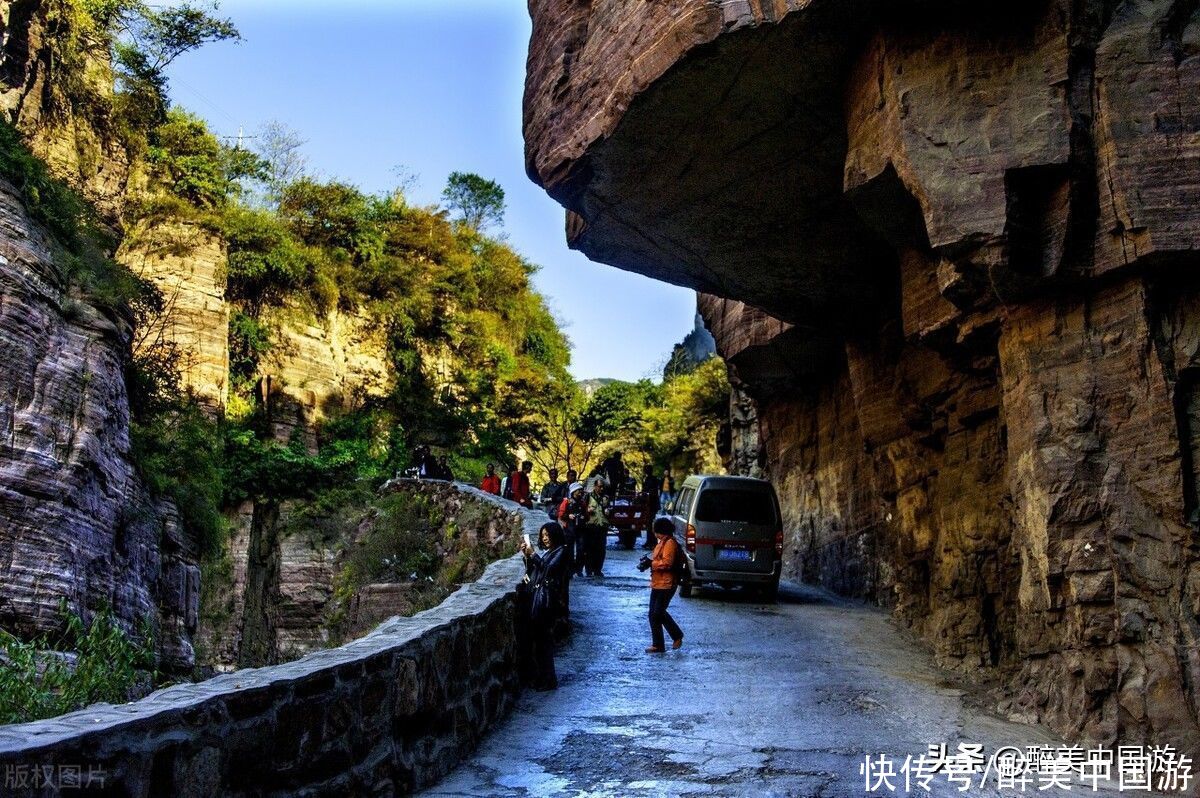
(388, 713)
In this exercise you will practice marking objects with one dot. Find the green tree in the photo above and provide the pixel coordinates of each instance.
(616, 408)
(190, 162)
(476, 201)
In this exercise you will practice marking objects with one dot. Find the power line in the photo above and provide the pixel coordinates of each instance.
(203, 99)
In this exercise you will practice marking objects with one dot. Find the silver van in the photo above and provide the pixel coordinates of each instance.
(731, 531)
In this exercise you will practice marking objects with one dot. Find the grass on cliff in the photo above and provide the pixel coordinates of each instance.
(38, 680)
(399, 537)
(82, 242)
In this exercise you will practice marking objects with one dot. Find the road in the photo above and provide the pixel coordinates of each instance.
(763, 699)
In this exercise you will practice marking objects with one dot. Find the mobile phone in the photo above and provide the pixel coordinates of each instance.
(528, 541)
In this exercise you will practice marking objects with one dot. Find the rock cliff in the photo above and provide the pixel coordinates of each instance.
(945, 251)
(320, 366)
(186, 263)
(76, 522)
(292, 586)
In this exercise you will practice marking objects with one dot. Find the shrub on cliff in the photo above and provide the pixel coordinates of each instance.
(84, 245)
(38, 680)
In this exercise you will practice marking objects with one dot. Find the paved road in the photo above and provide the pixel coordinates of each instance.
(763, 699)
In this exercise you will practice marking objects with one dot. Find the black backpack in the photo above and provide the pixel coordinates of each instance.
(679, 564)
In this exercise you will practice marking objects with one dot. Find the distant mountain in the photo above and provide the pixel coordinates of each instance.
(589, 387)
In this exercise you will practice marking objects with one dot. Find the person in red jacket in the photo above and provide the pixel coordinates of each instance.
(518, 483)
(491, 482)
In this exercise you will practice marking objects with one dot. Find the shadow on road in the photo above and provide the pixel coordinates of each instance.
(789, 594)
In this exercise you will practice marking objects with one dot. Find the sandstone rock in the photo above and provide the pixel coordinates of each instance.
(187, 264)
(74, 136)
(320, 366)
(76, 523)
(897, 212)
(274, 596)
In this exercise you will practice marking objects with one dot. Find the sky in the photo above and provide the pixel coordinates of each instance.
(427, 88)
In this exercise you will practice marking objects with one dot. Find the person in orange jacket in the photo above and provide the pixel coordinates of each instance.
(491, 482)
(664, 565)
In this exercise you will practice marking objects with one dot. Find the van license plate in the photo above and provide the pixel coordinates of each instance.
(733, 554)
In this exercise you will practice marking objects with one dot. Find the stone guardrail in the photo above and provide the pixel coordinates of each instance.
(385, 714)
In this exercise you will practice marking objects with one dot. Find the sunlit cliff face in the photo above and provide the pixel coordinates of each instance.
(948, 251)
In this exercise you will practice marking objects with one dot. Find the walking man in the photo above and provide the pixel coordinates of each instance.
(664, 578)
(668, 488)
(596, 529)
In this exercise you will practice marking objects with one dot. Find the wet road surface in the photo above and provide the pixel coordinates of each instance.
(763, 699)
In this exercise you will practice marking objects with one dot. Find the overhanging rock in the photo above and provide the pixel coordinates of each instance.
(950, 252)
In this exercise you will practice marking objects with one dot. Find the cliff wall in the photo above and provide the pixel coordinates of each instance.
(949, 256)
(293, 586)
(320, 366)
(77, 522)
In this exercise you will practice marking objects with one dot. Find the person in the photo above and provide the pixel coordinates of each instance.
(664, 578)
(668, 488)
(572, 513)
(553, 492)
(444, 470)
(426, 465)
(596, 530)
(491, 482)
(614, 473)
(546, 572)
(506, 483)
(572, 477)
(650, 496)
(518, 485)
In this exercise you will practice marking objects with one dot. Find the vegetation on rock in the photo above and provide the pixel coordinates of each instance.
(82, 665)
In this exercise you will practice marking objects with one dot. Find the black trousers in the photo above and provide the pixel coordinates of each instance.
(569, 549)
(596, 549)
(580, 556)
(569, 559)
(659, 617)
(544, 676)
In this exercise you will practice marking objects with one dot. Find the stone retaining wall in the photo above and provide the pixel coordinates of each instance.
(385, 714)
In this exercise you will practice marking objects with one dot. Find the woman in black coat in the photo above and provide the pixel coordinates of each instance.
(546, 572)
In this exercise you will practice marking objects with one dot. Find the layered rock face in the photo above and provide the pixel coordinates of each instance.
(948, 254)
(280, 599)
(319, 367)
(187, 264)
(76, 522)
(75, 138)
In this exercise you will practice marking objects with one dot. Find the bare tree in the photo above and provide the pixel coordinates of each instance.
(564, 447)
(280, 147)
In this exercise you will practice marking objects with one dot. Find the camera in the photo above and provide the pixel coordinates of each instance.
(643, 563)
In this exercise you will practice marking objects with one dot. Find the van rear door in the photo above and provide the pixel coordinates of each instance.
(735, 527)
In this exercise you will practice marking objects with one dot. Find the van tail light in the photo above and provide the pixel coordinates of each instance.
(779, 544)
(690, 538)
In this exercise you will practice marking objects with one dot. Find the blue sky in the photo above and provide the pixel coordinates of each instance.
(431, 87)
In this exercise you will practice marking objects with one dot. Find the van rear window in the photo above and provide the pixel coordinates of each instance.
(740, 506)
